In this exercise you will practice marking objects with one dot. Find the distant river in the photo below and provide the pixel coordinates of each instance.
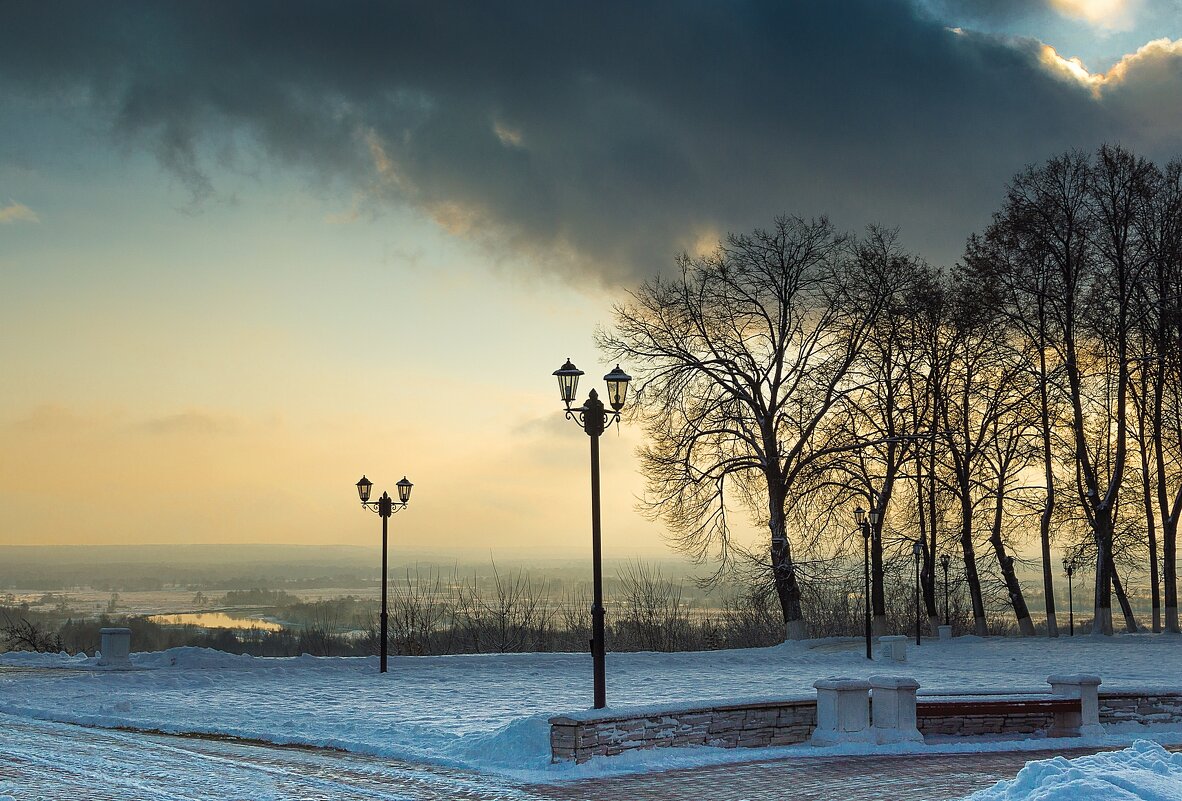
(214, 620)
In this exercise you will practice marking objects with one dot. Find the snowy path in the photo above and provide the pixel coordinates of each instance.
(52, 761)
(42, 761)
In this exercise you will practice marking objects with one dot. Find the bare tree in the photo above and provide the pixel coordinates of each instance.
(742, 358)
(1021, 276)
(1159, 373)
(25, 635)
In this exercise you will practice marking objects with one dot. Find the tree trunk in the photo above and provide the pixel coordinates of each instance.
(1169, 536)
(784, 570)
(1150, 528)
(878, 623)
(1102, 600)
(1006, 563)
(1118, 588)
(980, 628)
(1044, 521)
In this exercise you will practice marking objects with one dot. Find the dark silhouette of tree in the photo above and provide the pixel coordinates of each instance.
(742, 359)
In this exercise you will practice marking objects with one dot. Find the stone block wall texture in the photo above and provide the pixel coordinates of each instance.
(1140, 708)
(792, 722)
(739, 726)
(984, 723)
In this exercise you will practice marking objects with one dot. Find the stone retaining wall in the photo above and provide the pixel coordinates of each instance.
(755, 725)
(1162, 707)
(583, 735)
(973, 725)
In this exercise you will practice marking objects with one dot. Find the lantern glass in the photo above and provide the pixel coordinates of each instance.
(404, 490)
(875, 516)
(859, 515)
(916, 548)
(363, 488)
(568, 381)
(617, 387)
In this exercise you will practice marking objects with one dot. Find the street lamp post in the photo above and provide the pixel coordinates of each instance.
(867, 524)
(384, 507)
(593, 418)
(945, 561)
(917, 549)
(1069, 569)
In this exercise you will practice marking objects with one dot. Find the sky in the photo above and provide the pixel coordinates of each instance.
(252, 250)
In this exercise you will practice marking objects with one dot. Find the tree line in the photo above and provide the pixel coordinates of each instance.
(1031, 391)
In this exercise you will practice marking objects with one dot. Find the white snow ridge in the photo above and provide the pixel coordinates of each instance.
(1142, 772)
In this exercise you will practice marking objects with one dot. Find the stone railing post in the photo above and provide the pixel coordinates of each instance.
(843, 712)
(893, 647)
(1086, 688)
(893, 699)
(116, 647)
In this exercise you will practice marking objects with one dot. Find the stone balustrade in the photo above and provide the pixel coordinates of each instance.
(882, 710)
(893, 702)
(843, 712)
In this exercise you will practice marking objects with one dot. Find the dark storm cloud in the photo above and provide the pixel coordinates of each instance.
(596, 139)
(986, 11)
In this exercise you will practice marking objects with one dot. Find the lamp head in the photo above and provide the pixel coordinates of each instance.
(403, 490)
(363, 488)
(617, 387)
(568, 381)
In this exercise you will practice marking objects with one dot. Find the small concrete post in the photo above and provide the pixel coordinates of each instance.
(893, 698)
(945, 632)
(1087, 722)
(843, 712)
(116, 647)
(893, 647)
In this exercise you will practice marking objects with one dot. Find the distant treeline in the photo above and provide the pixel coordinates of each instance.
(436, 613)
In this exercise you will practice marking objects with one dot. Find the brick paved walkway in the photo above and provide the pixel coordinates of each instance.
(41, 761)
(939, 777)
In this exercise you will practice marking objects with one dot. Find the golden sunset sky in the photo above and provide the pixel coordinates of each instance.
(247, 255)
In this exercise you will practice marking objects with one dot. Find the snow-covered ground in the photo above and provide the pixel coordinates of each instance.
(1143, 772)
(490, 712)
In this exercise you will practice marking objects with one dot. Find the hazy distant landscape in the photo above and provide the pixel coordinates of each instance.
(274, 600)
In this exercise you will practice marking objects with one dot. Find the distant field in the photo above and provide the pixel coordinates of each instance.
(89, 602)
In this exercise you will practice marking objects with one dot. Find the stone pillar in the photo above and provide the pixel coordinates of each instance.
(945, 632)
(893, 699)
(893, 647)
(116, 648)
(1087, 722)
(843, 712)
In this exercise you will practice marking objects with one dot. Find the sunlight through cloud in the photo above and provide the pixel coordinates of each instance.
(1116, 15)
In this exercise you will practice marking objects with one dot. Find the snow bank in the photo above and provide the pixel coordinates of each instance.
(1143, 772)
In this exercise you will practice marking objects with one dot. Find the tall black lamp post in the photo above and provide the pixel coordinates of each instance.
(1069, 569)
(945, 561)
(917, 549)
(867, 523)
(594, 418)
(384, 506)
